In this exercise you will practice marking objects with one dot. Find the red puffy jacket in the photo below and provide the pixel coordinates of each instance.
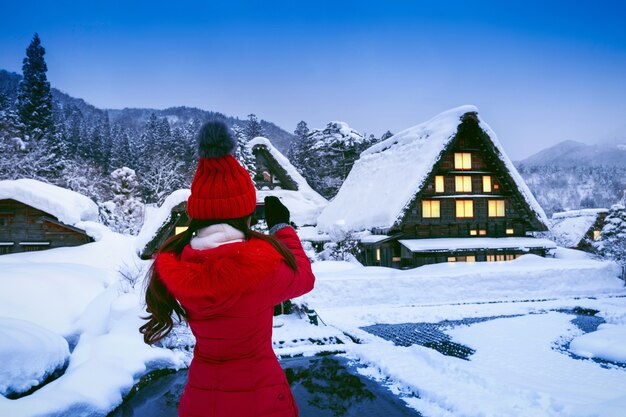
(229, 293)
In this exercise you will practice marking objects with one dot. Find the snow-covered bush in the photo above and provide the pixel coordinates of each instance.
(612, 241)
(343, 248)
(124, 212)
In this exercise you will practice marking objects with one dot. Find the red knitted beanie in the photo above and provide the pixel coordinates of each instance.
(221, 187)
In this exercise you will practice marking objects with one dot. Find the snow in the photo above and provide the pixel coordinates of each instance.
(528, 277)
(369, 239)
(310, 234)
(608, 343)
(90, 299)
(67, 206)
(29, 354)
(451, 244)
(305, 204)
(333, 133)
(515, 370)
(579, 213)
(372, 198)
(91, 295)
(64, 289)
(156, 217)
(570, 227)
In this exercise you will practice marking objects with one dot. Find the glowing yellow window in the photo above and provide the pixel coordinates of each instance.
(451, 259)
(439, 184)
(486, 184)
(496, 208)
(510, 257)
(430, 209)
(482, 232)
(499, 258)
(464, 208)
(596, 234)
(491, 258)
(180, 229)
(463, 184)
(377, 254)
(471, 258)
(473, 232)
(462, 160)
(510, 231)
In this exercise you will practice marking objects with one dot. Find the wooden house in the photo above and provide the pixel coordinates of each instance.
(442, 191)
(578, 229)
(37, 216)
(275, 176)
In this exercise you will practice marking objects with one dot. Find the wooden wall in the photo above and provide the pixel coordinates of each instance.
(518, 216)
(22, 224)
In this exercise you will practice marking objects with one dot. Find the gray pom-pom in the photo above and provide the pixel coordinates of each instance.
(214, 140)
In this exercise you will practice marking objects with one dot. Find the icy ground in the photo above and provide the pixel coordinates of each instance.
(534, 361)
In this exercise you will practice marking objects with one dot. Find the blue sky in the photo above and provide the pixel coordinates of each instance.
(539, 71)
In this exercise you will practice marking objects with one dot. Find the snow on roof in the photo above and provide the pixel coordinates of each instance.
(68, 206)
(387, 176)
(570, 227)
(305, 204)
(156, 217)
(578, 213)
(451, 244)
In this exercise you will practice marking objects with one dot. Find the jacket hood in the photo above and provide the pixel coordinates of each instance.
(218, 276)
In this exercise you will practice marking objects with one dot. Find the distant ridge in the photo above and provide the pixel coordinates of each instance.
(135, 118)
(570, 153)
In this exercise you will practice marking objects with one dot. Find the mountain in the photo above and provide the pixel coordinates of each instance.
(572, 154)
(136, 118)
(572, 175)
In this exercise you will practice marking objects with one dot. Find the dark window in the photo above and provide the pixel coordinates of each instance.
(3, 221)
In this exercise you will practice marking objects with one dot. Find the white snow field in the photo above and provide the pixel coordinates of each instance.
(80, 294)
(28, 354)
(516, 369)
(91, 296)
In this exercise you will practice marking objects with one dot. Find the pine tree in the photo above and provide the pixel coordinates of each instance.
(253, 128)
(242, 153)
(386, 135)
(299, 145)
(34, 96)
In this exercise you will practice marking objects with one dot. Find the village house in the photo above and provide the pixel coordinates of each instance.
(578, 229)
(442, 191)
(275, 176)
(37, 216)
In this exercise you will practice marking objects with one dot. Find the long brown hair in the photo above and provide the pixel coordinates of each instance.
(161, 304)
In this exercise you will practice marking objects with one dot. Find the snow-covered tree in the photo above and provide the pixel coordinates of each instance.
(34, 96)
(386, 135)
(612, 241)
(242, 153)
(124, 212)
(253, 128)
(298, 145)
(326, 156)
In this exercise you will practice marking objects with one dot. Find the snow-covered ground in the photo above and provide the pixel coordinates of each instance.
(516, 369)
(86, 297)
(89, 299)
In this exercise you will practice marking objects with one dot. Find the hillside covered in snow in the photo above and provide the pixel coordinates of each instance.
(572, 175)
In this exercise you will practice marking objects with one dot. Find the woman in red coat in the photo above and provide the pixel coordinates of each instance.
(225, 279)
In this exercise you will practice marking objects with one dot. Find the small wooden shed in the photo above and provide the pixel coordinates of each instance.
(37, 216)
